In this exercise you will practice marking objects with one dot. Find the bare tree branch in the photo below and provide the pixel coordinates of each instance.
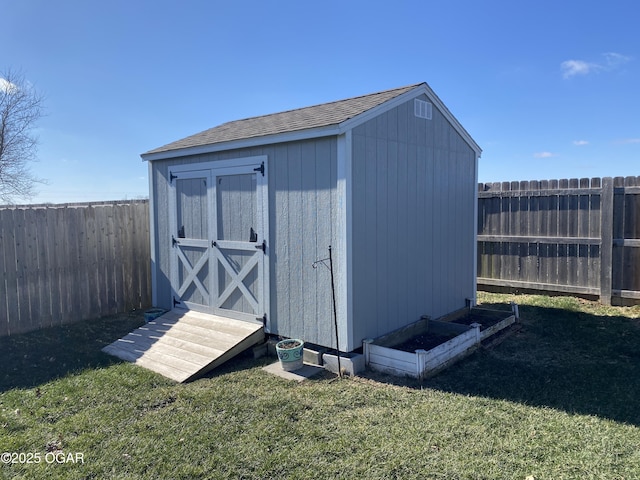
(21, 106)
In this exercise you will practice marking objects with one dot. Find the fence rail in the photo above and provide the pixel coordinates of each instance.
(64, 263)
(577, 236)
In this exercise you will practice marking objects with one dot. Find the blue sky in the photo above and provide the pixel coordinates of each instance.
(548, 89)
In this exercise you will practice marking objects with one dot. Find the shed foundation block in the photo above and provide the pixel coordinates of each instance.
(351, 363)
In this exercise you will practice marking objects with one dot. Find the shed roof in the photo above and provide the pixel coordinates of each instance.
(289, 122)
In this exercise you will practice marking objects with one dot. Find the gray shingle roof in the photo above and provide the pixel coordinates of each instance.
(323, 115)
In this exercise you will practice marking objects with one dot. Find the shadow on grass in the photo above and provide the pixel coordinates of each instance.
(34, 358)
(31, 359)
(566, 360)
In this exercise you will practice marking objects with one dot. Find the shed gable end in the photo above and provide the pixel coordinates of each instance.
(413, 198)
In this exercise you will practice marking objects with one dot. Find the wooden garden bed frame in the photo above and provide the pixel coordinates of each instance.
(381, 355)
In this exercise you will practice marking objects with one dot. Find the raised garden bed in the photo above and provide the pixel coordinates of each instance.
(428, 346)
(491, 321)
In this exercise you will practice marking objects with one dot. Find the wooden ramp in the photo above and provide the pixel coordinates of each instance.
(184, 346)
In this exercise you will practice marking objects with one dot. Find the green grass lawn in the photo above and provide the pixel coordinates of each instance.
(557, 399)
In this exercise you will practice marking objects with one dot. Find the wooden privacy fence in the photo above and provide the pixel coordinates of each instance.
(64, 263)
(572, 236)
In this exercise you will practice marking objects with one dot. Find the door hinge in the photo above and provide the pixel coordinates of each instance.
(174, 242)
(262, 246)
(172, 177)
(260, 169)
(175, 302)
(263, 319)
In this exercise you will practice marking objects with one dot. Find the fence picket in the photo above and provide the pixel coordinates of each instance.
(101, 257)
(90, 245)
(9, 303)
(76, 278)
(31, 268)
(53, 262)
(594, 232)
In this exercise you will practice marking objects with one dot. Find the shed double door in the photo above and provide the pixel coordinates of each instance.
(219, 241)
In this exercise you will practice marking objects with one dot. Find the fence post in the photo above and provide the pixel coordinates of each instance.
(606, 243)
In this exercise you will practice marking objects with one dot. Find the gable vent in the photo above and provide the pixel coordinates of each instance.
(422, 109)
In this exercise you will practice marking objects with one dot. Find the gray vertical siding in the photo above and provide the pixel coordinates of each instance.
(302, 199)
(413, 220)
(303, 226)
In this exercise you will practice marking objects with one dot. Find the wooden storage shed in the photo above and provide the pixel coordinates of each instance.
(240, 212)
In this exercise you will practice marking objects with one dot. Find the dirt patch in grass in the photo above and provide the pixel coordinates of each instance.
(430, 339)
(485, 320)
(424, 341)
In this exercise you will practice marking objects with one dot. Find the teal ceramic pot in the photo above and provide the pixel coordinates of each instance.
(290, 354)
